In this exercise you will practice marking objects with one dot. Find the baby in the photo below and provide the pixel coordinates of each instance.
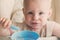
(36, 14)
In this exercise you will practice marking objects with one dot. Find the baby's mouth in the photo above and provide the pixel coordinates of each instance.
(34, 23)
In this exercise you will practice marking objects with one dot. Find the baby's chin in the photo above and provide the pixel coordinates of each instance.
(35, 26)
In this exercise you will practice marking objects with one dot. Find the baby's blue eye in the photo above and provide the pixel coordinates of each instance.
(41, 13)
(30, 13)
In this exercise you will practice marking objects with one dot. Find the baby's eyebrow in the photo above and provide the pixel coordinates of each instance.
(29, 11)
(30, 0)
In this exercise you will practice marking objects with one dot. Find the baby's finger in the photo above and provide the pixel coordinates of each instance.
(1, 19)
(7, 23)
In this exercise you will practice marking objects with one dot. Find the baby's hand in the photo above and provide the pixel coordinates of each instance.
(4, 23)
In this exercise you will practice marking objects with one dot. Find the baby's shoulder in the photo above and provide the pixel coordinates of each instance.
(52, 23)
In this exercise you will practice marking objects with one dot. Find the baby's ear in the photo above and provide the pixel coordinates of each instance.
(23, 10)
(50, 12)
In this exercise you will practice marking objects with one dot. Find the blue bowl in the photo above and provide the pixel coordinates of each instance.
(25, 35)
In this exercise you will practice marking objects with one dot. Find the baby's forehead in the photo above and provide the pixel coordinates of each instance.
(42, 2)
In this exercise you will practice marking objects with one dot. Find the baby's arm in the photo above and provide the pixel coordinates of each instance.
(56, 30)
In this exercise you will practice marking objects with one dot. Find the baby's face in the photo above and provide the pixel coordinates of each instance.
(36, 13)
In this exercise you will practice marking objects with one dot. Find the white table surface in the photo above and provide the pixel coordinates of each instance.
(48, 38)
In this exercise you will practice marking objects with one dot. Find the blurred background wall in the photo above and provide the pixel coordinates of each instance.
(13, 8)
(6, 8)
(57, 11)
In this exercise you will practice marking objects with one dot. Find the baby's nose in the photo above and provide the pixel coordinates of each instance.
(35, 17)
